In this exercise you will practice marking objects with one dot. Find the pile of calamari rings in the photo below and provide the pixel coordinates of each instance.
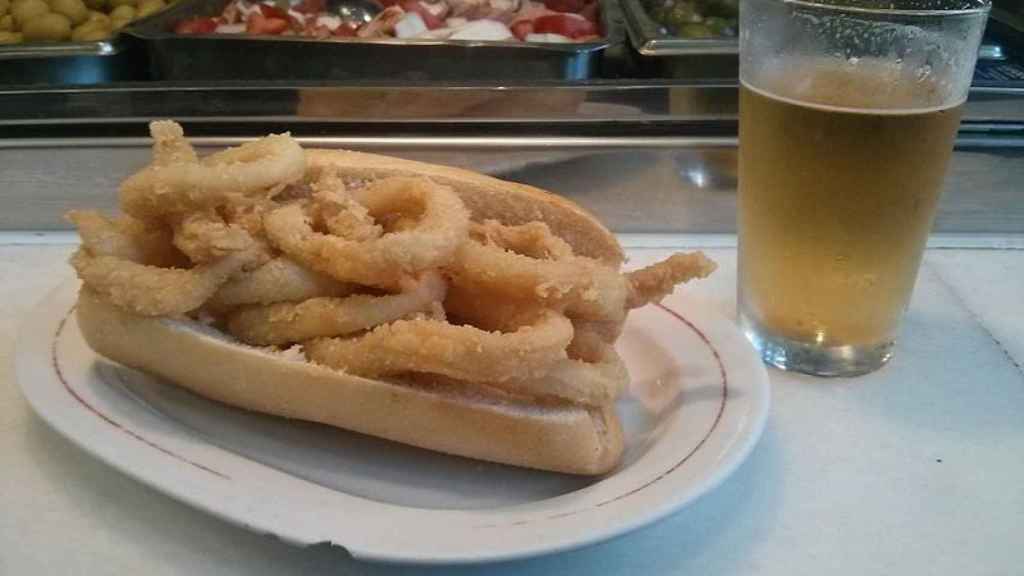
(386, 279)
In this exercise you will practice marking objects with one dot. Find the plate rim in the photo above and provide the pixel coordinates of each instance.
(42, 326)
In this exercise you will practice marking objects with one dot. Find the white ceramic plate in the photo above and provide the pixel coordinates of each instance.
(696, 408)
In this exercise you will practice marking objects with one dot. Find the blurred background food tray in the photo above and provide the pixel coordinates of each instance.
(693, 39)
(71, 42)
(80, 63)
(200, 57)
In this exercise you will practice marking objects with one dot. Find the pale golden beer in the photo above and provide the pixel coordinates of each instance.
(840, 174)
(849, 110)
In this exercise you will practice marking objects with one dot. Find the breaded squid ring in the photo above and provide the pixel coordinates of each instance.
(204, 237)
(656, 281)
(578, 382)
(279, 280)
(582, 287)
(287, 322)
(572, 381)
(185, 186)
(342, 216)
(533, 239)
(154, 291)
(522, 266)
(383, 261)
(169, 143)
(125, 238)
(460, 352)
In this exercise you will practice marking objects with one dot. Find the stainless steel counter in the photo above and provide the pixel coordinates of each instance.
(679, 108)
(673, 184)
(646, 157)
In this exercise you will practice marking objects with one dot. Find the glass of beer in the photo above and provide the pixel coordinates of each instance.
(848, 114)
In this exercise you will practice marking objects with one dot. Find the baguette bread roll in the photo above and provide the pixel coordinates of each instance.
(560, 438)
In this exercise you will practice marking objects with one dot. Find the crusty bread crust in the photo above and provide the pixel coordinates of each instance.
(568, 439)
(488, 197)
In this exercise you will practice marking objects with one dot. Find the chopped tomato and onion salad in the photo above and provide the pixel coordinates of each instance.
(480, 20)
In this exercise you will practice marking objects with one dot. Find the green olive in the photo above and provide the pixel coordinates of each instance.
(122, 13)
(727, 8)
(695, 31)
(96, 4)
(718, 26)
(118, 23)
(95, 16)
(147, 7)
(5, 7)
(7, 37)
(682, 14)
(48, 27)
(75, 10)
(116, 3)
(6, 23)
(25, 10)
(91, 32)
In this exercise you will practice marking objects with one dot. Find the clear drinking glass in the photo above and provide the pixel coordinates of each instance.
(848, 114)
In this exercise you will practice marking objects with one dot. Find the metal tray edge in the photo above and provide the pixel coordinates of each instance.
(644, 38)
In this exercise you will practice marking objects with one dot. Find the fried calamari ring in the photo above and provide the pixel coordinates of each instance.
(170, 145)
(279, 280)
(186, 186)
(656, 281)
(125, 238)
(204, 237)
(287, 323)
(568, 381)
(575, 381)
(342, 216)
(533, 239)
(524, 264)
(460, 352)
(592, 347)
(487, 311)
(381, 262)
(154, 291)
(582, 287)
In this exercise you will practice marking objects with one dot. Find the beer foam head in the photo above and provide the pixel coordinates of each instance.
(896, 55)
(856, 84)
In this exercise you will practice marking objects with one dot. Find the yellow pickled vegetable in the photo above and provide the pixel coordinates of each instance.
(122, 12)
(95, 16)
(147, 7)
(91, 32)
(7, 37)
(48, 27)
(25, 10)
(7, 23)
(75, 10)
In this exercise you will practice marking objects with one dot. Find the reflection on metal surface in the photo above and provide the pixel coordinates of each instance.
(635, 185)
(642, 105)
(708, 168)
(991, 52)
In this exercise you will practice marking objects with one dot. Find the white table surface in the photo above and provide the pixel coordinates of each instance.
(916, 469)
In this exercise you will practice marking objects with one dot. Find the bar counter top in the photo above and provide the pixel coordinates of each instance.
(915, 469)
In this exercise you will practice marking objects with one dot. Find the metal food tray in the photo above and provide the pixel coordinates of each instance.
(647, 39)
(115, 59)
(63, 63)
(242, 57)
(658, 55)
